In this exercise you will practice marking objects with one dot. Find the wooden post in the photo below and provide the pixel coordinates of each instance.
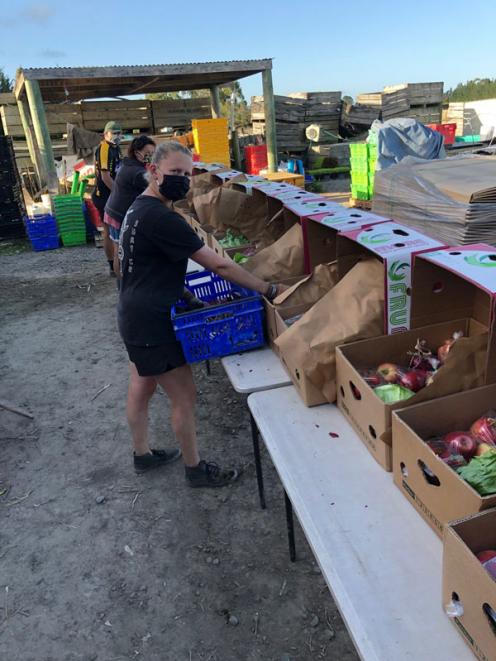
(235, 149)
(26, 125)
(270, 120)
(40, 125)
(215, 101)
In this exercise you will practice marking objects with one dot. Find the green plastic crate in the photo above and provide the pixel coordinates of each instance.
(359, 178)
(358, 150)
(360, 192)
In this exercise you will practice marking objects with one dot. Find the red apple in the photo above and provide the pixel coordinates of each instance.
(461, 442)
(389, 372)
(414, 379)
(484, 430)
(484, 556)
(482, 448)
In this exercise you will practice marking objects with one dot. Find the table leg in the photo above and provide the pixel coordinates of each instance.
(290, 525)
(207, 365)
(258, 463)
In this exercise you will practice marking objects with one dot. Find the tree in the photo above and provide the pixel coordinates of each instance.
(473, 90)
(6, 85)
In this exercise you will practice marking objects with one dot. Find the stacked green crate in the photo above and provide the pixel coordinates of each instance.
(363, 158)
(70, 219)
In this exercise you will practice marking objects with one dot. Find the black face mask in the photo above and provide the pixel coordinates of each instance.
(174, 187)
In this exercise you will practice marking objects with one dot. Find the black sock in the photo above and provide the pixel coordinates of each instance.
(111, 264)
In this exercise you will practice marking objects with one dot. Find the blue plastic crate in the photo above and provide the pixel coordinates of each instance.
(226, 326)
(42, 226)
(45, 243)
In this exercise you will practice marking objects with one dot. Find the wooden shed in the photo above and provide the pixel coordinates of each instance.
(63, 90)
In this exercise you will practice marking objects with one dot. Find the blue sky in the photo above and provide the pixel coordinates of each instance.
(317, 46)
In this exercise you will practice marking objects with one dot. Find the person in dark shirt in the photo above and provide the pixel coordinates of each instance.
(128, 184)
(107, 160)
(154, 247)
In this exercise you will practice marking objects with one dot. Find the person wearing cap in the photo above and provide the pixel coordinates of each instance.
(107, 161)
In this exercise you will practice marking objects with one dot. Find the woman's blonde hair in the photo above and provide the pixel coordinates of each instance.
(163, 150)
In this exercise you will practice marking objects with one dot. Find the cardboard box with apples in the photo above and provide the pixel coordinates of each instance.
(454, 299)
(432, 486)
(469, 590)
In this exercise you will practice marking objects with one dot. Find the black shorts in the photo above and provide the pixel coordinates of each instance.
(153, 361)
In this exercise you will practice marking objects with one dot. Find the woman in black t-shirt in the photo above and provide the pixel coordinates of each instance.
(128, 184)
(155, 244)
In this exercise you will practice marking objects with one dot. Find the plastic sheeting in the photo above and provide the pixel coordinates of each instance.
(398, 138)
(453, 200)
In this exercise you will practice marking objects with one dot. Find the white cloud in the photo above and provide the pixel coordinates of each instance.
(38, 12)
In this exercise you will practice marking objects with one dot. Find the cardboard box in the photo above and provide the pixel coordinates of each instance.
(369, 415)
(395, 246)
(221, 177)
(320, 233)
(457, 282)
(267, 193)
(437, 492)
(205, 236)
(467, 584)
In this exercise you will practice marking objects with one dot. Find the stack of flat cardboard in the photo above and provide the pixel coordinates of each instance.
(453, 200)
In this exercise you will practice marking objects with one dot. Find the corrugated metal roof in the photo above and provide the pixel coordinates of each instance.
(143, 66)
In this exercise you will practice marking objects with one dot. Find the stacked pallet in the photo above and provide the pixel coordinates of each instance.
(425, 100)
(455, 114)
(391, 104)
(293, 113)
(420, 101)
(360, 114)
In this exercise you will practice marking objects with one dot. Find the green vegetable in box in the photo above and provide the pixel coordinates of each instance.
(232, 240)
(480, 473)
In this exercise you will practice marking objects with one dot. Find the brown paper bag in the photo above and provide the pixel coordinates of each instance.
(281, 260)
(310, 289)
(224, 208)
(463, 369)
(352, 310)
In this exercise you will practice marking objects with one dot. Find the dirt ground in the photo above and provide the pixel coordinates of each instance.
(98, 564)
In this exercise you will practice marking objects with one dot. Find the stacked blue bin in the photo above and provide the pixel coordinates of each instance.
(43, 232)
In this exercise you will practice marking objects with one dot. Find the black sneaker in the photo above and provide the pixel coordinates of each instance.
(209, 475)
(157, 458)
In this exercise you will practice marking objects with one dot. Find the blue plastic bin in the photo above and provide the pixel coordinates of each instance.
(226, 326)
(42, 232)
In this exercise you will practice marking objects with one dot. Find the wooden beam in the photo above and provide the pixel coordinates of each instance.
(40, 125)
(215, 101)
(270, 121)
(26, 125)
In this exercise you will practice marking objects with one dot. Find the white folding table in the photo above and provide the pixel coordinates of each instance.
(255, 370)
(380, 559)
(251, 372)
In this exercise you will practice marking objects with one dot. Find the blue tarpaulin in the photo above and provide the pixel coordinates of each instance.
(398, 138)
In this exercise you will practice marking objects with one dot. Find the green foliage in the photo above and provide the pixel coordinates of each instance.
(473, 90)
(6, 85)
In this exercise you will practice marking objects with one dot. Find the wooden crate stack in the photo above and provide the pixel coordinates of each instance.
(455, 114)
(425, 100)
(421, 101)
(391, 104)
(294, 113)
